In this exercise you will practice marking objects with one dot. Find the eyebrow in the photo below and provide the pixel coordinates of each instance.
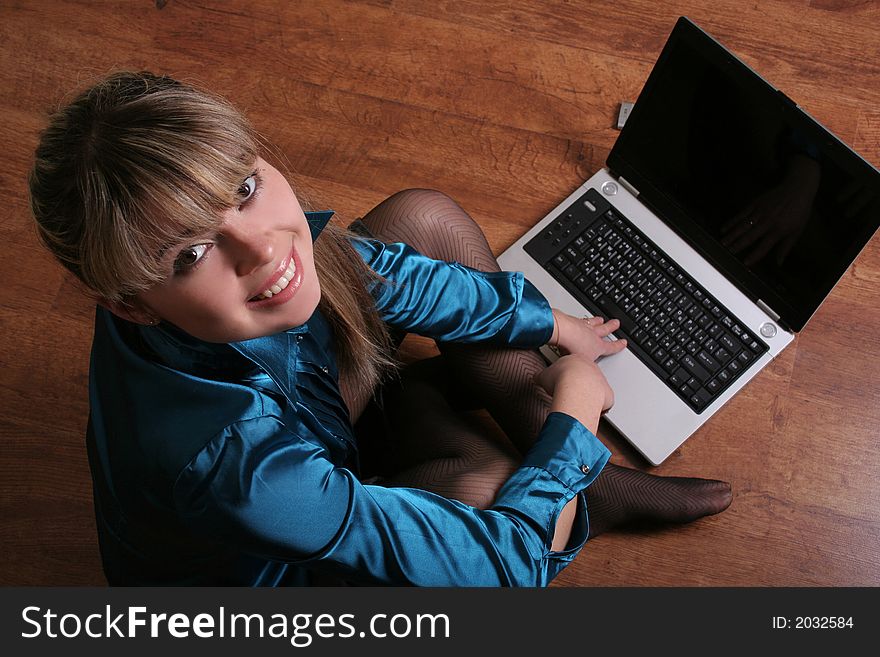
(186, 235)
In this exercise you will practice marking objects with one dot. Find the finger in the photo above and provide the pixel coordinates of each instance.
(614, 346)
(607, 328)
(609, 400)
(540, 379)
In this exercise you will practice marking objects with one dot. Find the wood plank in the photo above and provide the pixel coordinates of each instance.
(506, 106)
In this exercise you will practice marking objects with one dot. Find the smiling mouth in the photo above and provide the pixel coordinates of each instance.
(279, 285)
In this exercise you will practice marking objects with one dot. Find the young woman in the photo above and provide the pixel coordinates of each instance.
(234, 350)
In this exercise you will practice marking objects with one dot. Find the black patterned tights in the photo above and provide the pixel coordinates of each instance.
(438, 445)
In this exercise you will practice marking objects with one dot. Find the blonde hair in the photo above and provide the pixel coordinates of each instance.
(136, 163)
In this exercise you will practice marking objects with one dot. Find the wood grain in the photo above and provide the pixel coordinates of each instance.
(507, 106)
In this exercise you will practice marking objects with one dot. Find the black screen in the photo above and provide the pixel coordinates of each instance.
(766, 193)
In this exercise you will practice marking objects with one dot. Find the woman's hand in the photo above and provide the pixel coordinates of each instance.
(585, 337)
(578, 388)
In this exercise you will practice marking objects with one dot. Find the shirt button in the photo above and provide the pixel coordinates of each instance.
(585, 469)
(325, 370)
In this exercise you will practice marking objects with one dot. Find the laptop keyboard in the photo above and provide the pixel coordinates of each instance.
(676, 328)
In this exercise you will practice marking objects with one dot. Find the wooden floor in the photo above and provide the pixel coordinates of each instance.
(507, 107)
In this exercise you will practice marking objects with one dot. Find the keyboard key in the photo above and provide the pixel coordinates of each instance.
(728, 343)
(612, 311)
(679, 378)
(700, 398)
(708, 361)
(692, 366)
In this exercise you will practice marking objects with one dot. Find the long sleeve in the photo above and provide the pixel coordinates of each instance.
(451, 302)
(273, 493)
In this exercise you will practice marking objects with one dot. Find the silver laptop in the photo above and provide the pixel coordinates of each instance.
(724, 217)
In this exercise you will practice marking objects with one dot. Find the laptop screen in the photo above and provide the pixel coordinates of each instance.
(764, 192)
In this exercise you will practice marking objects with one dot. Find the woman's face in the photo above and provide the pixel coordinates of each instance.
(255, 277)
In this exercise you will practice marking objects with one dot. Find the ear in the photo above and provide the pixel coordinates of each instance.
(133, 311)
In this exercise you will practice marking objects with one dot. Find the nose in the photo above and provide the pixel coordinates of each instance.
(251, 248)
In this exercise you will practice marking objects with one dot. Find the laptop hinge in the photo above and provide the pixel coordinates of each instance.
(767, 309)
(628, 185)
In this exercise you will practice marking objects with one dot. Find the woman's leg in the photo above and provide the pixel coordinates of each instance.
(437, 448)
(501, 379)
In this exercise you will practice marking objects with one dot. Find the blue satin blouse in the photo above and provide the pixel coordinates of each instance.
(236, 464)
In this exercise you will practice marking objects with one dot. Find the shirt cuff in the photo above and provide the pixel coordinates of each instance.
(532, 322)
(569, 451)
(566, 458)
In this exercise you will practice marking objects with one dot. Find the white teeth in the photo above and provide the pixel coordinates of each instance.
(281, 283)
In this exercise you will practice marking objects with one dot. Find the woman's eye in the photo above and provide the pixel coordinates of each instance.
(190, 256)
(247, 188)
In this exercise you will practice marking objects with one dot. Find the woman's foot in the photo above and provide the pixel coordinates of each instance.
(622, 496)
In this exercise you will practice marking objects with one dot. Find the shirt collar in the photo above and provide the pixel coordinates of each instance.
(317, 221)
